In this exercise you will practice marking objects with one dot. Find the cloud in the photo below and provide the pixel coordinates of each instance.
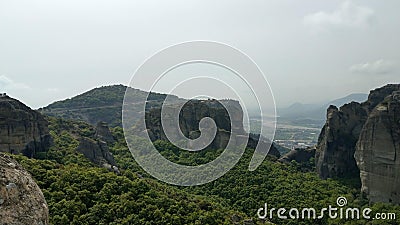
(347, 15)
(8, 84)
(380, 66)
(52, 89)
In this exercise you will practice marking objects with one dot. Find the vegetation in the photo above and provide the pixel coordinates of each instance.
(101, 104)
(79, 192)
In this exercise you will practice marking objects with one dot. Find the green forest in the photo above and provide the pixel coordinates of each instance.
(79, 192)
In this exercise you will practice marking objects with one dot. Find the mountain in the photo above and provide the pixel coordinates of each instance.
(102, 104)
(314, 114)
(357, 97)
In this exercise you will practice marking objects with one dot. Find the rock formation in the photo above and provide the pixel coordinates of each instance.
(363, 140)
(195, 110)
(96, 148)
(21, 200)
(299, 155)
(378, 150)
(336, 143)
(103, 132)
(22, 130)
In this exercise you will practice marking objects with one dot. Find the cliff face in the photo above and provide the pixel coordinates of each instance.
(364, 140)
(336, 143)
(378, 149)
(97, 152)
(21, 200)
(26, 131)
(189, 118)
(195, 110)
(23, 130)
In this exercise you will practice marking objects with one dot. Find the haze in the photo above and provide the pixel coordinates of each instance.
(310, 51)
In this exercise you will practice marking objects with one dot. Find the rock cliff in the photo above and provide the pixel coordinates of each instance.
(97, 152)
(195, 110)
(378, 150)
(22, 130)
(21, 200)
(336, 144)
(363, 140)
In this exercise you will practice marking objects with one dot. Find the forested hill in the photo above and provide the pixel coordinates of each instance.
(99, 104)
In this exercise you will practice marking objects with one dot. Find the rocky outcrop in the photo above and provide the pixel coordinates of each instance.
(300, 155)
(21, 200)
(190, 116)
(378, 150)
(22, 130)
(363, 140)
(336, 144)
(97, 152)
(103, 132)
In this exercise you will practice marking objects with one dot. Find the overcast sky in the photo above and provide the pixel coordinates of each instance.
(310, 50)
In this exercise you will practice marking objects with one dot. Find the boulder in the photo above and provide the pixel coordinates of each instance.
(21, 200)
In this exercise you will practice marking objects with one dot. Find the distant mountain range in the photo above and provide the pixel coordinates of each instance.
(314, 114)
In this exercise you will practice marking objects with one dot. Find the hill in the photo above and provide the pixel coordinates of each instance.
(100, 104)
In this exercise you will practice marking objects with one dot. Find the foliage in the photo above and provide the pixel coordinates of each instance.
(78, 192)
(279, 185)
(101, 104)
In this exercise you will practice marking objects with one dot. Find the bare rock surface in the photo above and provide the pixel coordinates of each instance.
(21, 200)
(195, 110)
(336, 143)
(363, 140)
(378, 150)
(22, 130)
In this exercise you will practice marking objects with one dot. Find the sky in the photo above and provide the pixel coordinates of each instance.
(310, 51)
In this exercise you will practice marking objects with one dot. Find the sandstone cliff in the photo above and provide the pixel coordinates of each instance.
(195, 110)
(21, 200)
(97, 152)
(378, 150)
(363, 140)
(22, 130)
(336, 144)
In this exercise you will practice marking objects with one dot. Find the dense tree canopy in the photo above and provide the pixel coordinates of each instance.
(78, 192)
